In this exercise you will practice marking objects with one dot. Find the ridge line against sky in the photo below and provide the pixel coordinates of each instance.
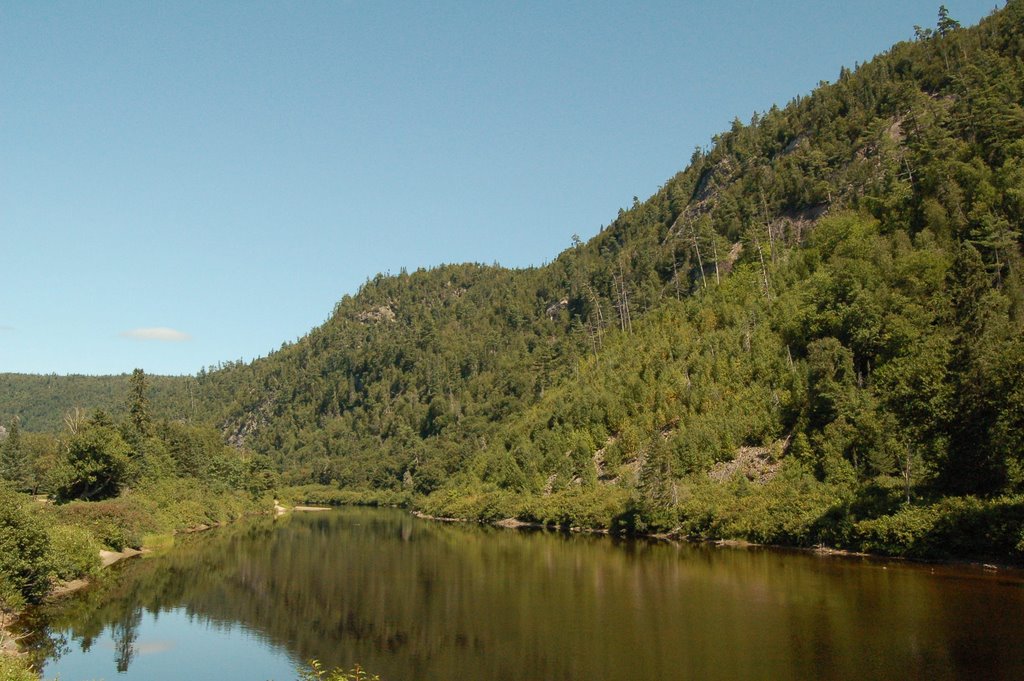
(200, 182)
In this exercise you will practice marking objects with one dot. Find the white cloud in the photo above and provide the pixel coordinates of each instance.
(144, 647)
(150, 647)
(157, 333)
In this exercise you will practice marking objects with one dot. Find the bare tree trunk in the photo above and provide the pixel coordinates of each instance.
(625, 322)
(764, 270)
(767, 223)
(599, 330)
(675, 272)
(74, 420)
(714, 252)
(700, 261)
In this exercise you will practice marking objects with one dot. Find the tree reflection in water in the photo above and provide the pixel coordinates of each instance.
(412, 599)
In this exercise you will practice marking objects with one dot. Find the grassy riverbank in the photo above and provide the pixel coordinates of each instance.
(16, 669)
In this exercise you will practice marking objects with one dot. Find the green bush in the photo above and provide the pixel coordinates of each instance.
(574, 506)
(179, 504)
(95, 465)
(588, 508)
(116, 523)
(485, 503)
(326, 495)
(16, 669)
(903, 533)
(74, 552)
(954, 526)
(24, 551)
(316, 672)
(158, 506)
(788, 510)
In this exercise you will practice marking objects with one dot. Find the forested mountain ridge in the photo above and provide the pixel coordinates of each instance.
(812, 334)
(40, 402)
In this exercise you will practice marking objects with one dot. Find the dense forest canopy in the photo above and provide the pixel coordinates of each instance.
(40, 402)
(812, 334)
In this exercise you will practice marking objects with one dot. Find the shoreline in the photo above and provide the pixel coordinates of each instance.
(108, 557)
(9, 646)
(280, 510)
(984, 566)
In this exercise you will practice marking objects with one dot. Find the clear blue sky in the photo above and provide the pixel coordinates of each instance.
(189, 182)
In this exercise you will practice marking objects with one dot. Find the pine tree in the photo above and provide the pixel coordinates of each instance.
(13, 467)
(138, 404)
(973, 467)
(947, 24)
(657, 486)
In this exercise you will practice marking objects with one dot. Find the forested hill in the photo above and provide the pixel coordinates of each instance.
(811, 334)
(41, 402)
(838, 279)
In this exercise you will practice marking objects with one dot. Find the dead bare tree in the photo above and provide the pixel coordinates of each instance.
(696, 248)
(597, 327)
(764, 268)
(714, 253)
(74, 419)
(625, 321)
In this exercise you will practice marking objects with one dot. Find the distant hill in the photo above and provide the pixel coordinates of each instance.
(42, 401)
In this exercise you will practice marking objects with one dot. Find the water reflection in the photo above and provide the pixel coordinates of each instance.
(411, 599)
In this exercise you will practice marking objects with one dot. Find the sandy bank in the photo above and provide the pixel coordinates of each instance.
(107, 558)
(281, 510)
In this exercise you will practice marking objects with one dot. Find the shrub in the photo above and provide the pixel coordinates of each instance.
(577, 506)
(787, 510)
(16, 669)
(95, 465)
(24, 549)
(903, 533)
(954, 526)
(316, 672)
(117, 523)
(178, 505)
(326, 495)
(74, 552)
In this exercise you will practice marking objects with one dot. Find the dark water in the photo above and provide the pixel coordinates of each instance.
(411, 599)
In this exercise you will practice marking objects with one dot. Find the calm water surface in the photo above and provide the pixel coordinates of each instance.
(411, 599)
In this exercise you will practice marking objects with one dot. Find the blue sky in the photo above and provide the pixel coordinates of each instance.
(191, 182)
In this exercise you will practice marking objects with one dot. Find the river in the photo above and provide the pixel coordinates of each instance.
(412, 599)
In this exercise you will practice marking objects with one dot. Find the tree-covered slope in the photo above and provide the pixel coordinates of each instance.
(41, 402)
(916, 155)
(430, 357)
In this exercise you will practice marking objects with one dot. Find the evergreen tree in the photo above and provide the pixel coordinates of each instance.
(973, 465)
(657, 487)
(946, 24)
(138, 404)
(13, 464)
